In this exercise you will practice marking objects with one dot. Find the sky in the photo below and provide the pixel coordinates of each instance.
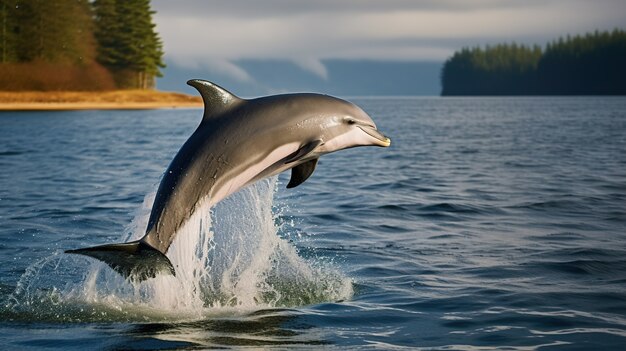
(217, 35)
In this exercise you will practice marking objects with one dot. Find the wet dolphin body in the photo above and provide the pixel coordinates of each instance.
(237, 143)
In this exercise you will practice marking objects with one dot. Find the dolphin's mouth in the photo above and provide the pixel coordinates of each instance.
(373, 132)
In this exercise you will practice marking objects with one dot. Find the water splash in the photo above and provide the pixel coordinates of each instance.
(228, 259)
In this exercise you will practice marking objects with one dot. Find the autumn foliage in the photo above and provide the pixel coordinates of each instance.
(78, 45)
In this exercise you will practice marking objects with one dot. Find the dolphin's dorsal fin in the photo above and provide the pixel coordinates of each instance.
(216, 99)
(301, 172)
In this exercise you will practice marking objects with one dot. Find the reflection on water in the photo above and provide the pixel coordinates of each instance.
(261, 328)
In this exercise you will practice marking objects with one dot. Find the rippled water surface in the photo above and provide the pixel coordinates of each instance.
(489, 223)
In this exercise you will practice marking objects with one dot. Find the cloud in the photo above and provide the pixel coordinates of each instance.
(229, 69)
(215, 66)
(218, 33)
(314, 66)
(287, 8)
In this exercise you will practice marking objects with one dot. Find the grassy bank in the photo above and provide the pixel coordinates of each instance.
(110, 100)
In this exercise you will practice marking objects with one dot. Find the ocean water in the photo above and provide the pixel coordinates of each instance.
(490, 223)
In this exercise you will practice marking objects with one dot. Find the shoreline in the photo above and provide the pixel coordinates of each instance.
(69, 106)
(104, 100)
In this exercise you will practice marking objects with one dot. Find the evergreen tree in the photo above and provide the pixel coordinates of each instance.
(52, 36)
(8, 31)
(107, 32)
(590, 64)
(53, 31)
(128, 42)
(499, 70)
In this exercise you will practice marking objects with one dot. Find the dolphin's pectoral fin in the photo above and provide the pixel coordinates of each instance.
(303, 151)
(135, 259)
(301, 173)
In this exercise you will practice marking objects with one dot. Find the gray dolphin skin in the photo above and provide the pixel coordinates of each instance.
(238, 142)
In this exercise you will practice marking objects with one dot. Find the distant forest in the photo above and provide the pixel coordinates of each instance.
(593, 64)
(78, 45)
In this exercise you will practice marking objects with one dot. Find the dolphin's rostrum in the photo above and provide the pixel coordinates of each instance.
(238, 142)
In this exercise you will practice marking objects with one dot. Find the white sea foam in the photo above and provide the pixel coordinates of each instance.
(228, 259)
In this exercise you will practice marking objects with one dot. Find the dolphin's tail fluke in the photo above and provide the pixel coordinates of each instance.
(135, 260)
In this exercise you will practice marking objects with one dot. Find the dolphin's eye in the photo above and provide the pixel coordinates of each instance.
(350, 121)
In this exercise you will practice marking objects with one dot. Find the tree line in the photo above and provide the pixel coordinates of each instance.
(78, 45)
(591, 64)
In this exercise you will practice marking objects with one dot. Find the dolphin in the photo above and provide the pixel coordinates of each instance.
(238, 142)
